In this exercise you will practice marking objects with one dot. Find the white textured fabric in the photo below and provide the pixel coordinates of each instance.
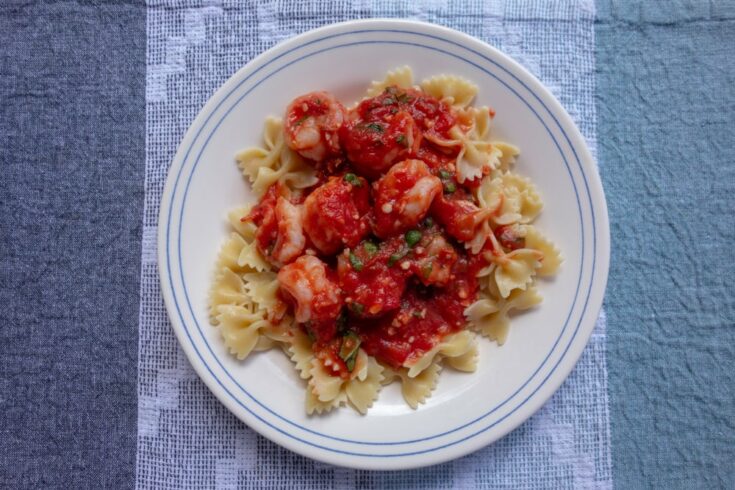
(186, 438)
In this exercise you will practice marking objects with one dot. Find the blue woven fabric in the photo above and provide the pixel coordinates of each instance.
(72, 141)
(185, 437)
(666, 79)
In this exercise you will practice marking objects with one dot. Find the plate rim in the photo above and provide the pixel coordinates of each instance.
(600, 249)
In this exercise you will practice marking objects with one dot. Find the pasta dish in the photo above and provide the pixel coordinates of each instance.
(387, 239)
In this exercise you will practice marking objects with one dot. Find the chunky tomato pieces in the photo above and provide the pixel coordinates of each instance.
(335, 213)
(372, 281)
(310, 286)
(510, 237)
(382, 261)
(457, 213)
(391, 127)
(374, 145)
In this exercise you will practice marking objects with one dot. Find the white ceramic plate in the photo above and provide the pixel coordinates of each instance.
(467, 411)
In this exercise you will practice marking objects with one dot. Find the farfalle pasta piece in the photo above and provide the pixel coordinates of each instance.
(361, 389)
(227, 289)
(489, 315)
(240, 256)
(515, 270)
(262, 288)
(229, 254)
(281, 332)
(478, 155)
(274, 162)
(264, 343)
(250, 258)
(321, 382)
(466, 362)
(451, 89)
(528, 199)
(454, 345)
(513, 199)
(314, 405)
(246, 229)
(508, 155)
(300, 353)
(240, 328)
(417, 389)
(551, 255)
(401, 77)
(478, 241)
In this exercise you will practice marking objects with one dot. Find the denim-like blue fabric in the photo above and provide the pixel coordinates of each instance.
(72, 136)
(666, 142)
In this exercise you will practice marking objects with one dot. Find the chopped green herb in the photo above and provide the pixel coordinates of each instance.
(449, 187)
(426, 270)
(348, 350)
(405, 98)
(445, 174)
(428, 222)
(393, 110)
(357, 308)
(377, 127)
(350, 363)
(389, 101)
(391, 90)
(401, 140)
(417, 313)
(370, 248)
(413, 237)
(394, 258)
(318, 101)
(302, 119)
(355, 262)
(353, 179)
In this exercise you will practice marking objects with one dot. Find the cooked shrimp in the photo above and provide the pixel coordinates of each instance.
(315, 295)
(290, 241)
(403, 197)
(280, 236)
(312, 123)
(460, 217)
(335, 213)
(434, 266)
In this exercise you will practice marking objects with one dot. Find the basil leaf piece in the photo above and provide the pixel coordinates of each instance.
(353, 179)
(349, 348)
(370, 248)
(355, 262)
(412, 237)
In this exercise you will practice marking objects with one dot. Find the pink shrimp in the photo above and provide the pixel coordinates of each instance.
(403, 197)
(290, 241)
(312, 289)
(312, 123)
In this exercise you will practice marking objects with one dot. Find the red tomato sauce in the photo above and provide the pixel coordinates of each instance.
(264, 217)
(387, 226)
(390, 127)
(335, 213)
(426, 316)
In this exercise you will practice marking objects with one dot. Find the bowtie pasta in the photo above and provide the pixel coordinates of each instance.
(386, 236)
